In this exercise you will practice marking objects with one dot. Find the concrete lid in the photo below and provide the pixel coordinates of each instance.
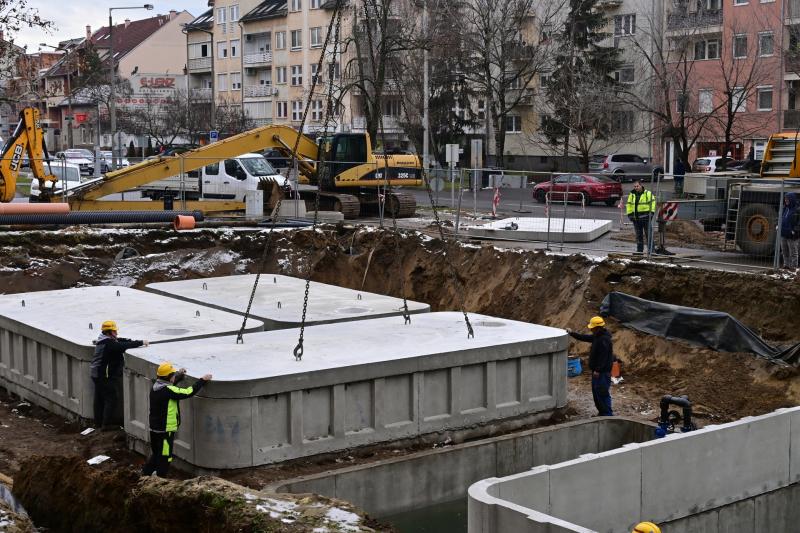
(326, 303)
(66, 314)
(352, 351)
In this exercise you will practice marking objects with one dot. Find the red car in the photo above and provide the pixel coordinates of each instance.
(579, 187)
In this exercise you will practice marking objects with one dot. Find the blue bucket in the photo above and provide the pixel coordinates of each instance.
(574, 367)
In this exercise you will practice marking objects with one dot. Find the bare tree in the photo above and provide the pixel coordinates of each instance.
(16, 15)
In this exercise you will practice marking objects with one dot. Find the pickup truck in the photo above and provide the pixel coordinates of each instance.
(225, 180)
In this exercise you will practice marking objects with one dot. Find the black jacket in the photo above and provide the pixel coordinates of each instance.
(109, 356)
(601, 355)
(165, 411)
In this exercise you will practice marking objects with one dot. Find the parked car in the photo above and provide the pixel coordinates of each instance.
(625, 166)
(580, 187)
(108, 157)
(276, 159)
(86, 165)
(709, 163)
(68, 174)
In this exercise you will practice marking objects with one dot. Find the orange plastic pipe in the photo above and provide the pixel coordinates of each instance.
(25, 208)
(183, 222)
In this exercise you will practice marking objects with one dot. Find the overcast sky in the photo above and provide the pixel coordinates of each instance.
(71, 17)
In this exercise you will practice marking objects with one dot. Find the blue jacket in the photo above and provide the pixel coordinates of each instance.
(790, 218)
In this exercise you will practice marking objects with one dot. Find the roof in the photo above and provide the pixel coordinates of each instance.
(266, 10)
(127, 37)
(203, 22)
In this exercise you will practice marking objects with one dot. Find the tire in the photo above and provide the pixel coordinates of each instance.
(755, 229)
(620, 175)
(656, 175)
(540, 195)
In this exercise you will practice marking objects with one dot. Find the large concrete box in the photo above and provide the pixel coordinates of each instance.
(279, 299)
(46, 338)
(358, 383)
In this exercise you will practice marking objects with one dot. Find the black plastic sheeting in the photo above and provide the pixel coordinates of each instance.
(713, 329)
(97, 217)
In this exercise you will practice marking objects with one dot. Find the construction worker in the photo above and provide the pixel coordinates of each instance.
(106, 373)
(165, 415)
(640, 208)
(601, 357)
(646, 527)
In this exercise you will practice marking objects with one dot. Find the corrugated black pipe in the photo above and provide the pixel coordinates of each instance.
(97, 217)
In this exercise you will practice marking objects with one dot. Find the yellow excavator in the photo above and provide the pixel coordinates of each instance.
(26, 141)
(343, 167)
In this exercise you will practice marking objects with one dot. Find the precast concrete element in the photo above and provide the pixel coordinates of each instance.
(279, 299)
(536, 229)
(46, 338)
(358, 383)
(664, 480)
(393, 486)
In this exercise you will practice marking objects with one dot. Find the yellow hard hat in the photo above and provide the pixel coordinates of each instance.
(109, 325)
(646, 527)
(165, 369)
(596, 321)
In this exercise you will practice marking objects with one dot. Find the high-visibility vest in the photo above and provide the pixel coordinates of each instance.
(645, 203)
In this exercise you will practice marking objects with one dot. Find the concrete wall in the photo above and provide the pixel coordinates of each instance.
(663, 480)
(443, 475)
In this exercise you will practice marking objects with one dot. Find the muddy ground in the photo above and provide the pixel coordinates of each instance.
(531, 286)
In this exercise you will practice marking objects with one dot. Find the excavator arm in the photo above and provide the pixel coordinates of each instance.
(26, 139)
(279, 137)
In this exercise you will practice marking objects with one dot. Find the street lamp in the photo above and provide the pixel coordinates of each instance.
(67, 90)
(113, 106)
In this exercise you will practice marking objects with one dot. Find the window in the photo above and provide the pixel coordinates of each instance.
(236, 81)
(212, 169)
(280, 40)
(315, 36)
(282, 110)
(316, 110)
(235, 48)
(280, 72)
(314, 4)
(705, 103)
(392, 108)
(481, 109)
(297, 74)
(221, 15)
(764, 98)
(766, 44)
(314, 67)
(712, 5)
(708, 49)
(740, 45)
(625, 74)
(297, 5)
(513, 81)
(513, 124)
(297, 110)
(622, 121)
(264, 77)
(222, 82)
(624, 25)
(333, 71)
(234, 10)
(740, 2)
(198, 50)
(738, 99)
(222, 49)
(297, 39)
(680, 102)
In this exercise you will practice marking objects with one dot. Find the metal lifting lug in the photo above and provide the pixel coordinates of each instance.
(239, 339)
(470, 332)
(117, 293)
(407, 318)
(205, 286)
(197, 314)
(298, 351)
(279, 305)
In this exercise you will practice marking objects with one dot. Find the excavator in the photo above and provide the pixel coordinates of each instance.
(342, 166)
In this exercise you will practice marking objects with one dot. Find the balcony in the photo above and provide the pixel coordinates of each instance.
(390, 124)
(200, 64)
(791, 60)
(700, 19)
(257, 58)
(791, 119)
(203, 93)
(258, 91)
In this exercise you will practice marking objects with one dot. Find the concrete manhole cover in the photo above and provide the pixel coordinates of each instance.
(352, 310)
(172, 331)
(488, 324)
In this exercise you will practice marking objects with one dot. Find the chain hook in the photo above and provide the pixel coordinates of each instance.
(298, 350)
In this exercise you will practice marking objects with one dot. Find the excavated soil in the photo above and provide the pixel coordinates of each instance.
(531, 286)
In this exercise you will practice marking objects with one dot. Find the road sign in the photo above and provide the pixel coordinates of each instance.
(437, 184)
(476, 149)
(213, 136)
(668, 211)
(452, 153)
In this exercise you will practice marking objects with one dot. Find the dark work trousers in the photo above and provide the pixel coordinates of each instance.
(601, 386)
(161, 453)
(105, 400)
(642, 227)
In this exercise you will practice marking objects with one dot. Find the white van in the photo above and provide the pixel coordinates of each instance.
(227, 180)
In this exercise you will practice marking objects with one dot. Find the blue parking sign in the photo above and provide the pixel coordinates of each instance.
(213, 136)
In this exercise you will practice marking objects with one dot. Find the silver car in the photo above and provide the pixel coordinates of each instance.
(625, 167)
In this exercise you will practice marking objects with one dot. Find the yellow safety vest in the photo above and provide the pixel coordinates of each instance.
(645, 203)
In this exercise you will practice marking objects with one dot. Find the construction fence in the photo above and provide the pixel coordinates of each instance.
(730, 221)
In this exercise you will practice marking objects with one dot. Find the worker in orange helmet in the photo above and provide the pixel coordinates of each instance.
(601, 357)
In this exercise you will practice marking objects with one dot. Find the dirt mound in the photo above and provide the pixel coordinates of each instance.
(67, 495)
(682, 233)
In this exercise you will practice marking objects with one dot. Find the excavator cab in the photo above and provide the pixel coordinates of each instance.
(343, 151)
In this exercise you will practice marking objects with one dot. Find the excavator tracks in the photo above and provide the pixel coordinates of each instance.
(399, 204)
(347, 204)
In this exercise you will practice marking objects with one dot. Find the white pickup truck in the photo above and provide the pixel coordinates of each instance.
(227, 180)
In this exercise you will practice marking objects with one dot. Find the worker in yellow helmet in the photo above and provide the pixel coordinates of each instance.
(646, 527)
(106, 373)
(601, 357)
(165, 415)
